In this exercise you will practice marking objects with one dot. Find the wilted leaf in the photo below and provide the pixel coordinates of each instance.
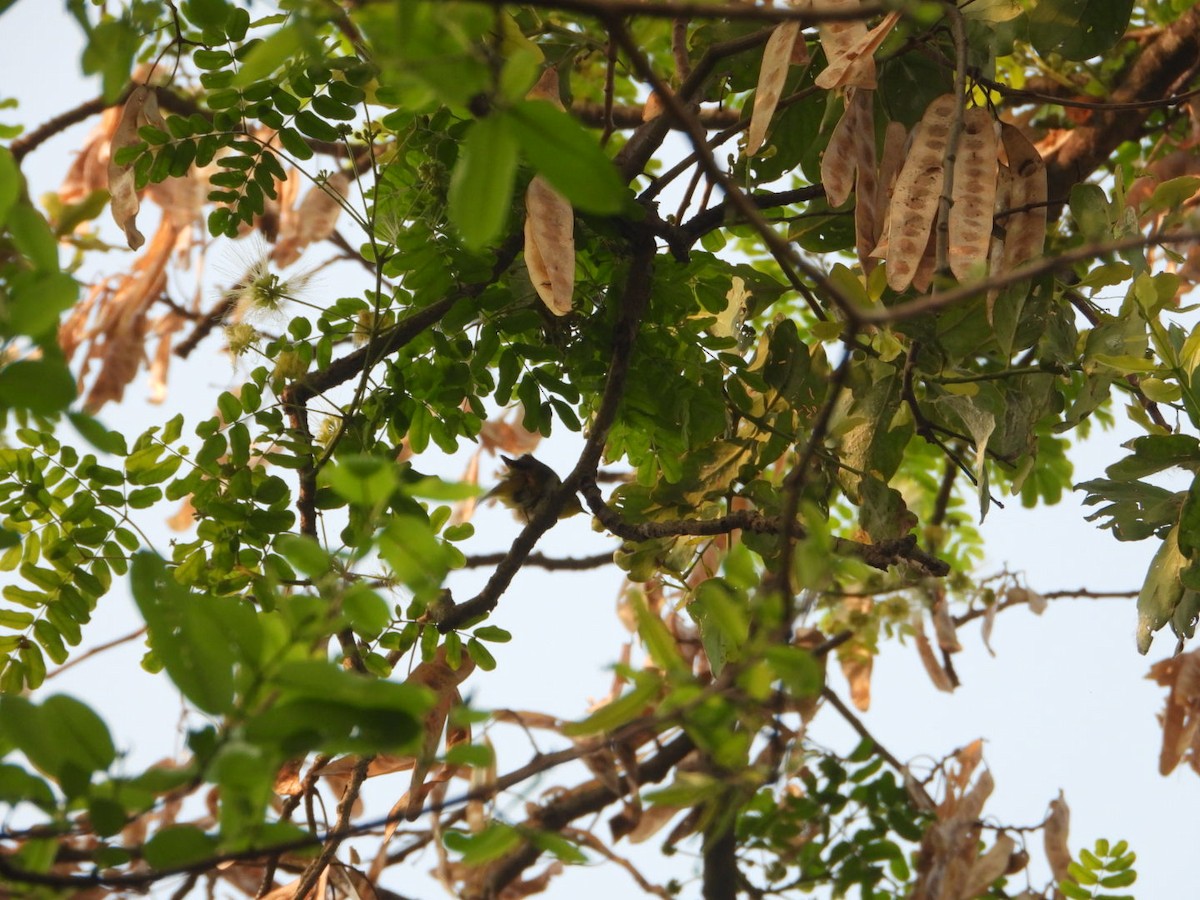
(941, 680)
(550, 245)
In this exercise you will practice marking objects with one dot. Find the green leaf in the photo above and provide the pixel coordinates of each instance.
(10, 183)
(38, 385)
(481, 184)
(198, 638)
(367, 612)
(1162, 591)
(1078, 29)
(646, 686)
(362, 479)
(491, 843)
(268, 55)
(568, 156)
(178, 845)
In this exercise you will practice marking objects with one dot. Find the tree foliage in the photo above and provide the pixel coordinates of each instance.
(812, 287)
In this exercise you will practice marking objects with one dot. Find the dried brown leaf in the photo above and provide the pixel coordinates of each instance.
(88, 172)
(943, 626)
(933, 668)
(776, 61)
(313, 221)
(550, 245)
(141, 108)
(1181, 718)
(917, 192)
(857, 660)
(974, 195)
(120, 333)
(1055, 834)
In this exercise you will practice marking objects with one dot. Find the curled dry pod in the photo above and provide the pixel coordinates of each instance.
(1025, 231)
(854, 64)
(974, 194)
(140, 109)
(916, 194)
(550, 245)
(777, 59)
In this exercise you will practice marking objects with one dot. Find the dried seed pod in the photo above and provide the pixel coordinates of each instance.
(1025, 231)
(776, 61)
(866, 210)
(974, 194)
(996, 250)
(916, 194)
(839, 159)
(854, 64)
(550, 245)
(895, 140)
(140, 109)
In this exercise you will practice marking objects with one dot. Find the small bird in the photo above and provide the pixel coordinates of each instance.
(528, 485)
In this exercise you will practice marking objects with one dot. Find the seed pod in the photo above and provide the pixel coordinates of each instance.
(851, 53)
(916, 194)
(550, 245)
(996, 250)
(838, 161)
(974, 194)
(866, 211)
(776, 61)
(895, 139)
(1025, 231)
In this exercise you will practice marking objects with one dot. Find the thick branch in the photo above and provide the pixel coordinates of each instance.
(1164, 64)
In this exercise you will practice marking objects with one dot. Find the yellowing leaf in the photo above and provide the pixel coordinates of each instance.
(550, 245)
(974, 195)
(777, 59)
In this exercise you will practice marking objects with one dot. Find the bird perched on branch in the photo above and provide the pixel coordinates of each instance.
(527, 487)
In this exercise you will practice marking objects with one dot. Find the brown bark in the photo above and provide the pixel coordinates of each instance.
(1162, 67)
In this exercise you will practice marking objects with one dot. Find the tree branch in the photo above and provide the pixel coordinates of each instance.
(633, 301)
(879, 556)
(1162, 65)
